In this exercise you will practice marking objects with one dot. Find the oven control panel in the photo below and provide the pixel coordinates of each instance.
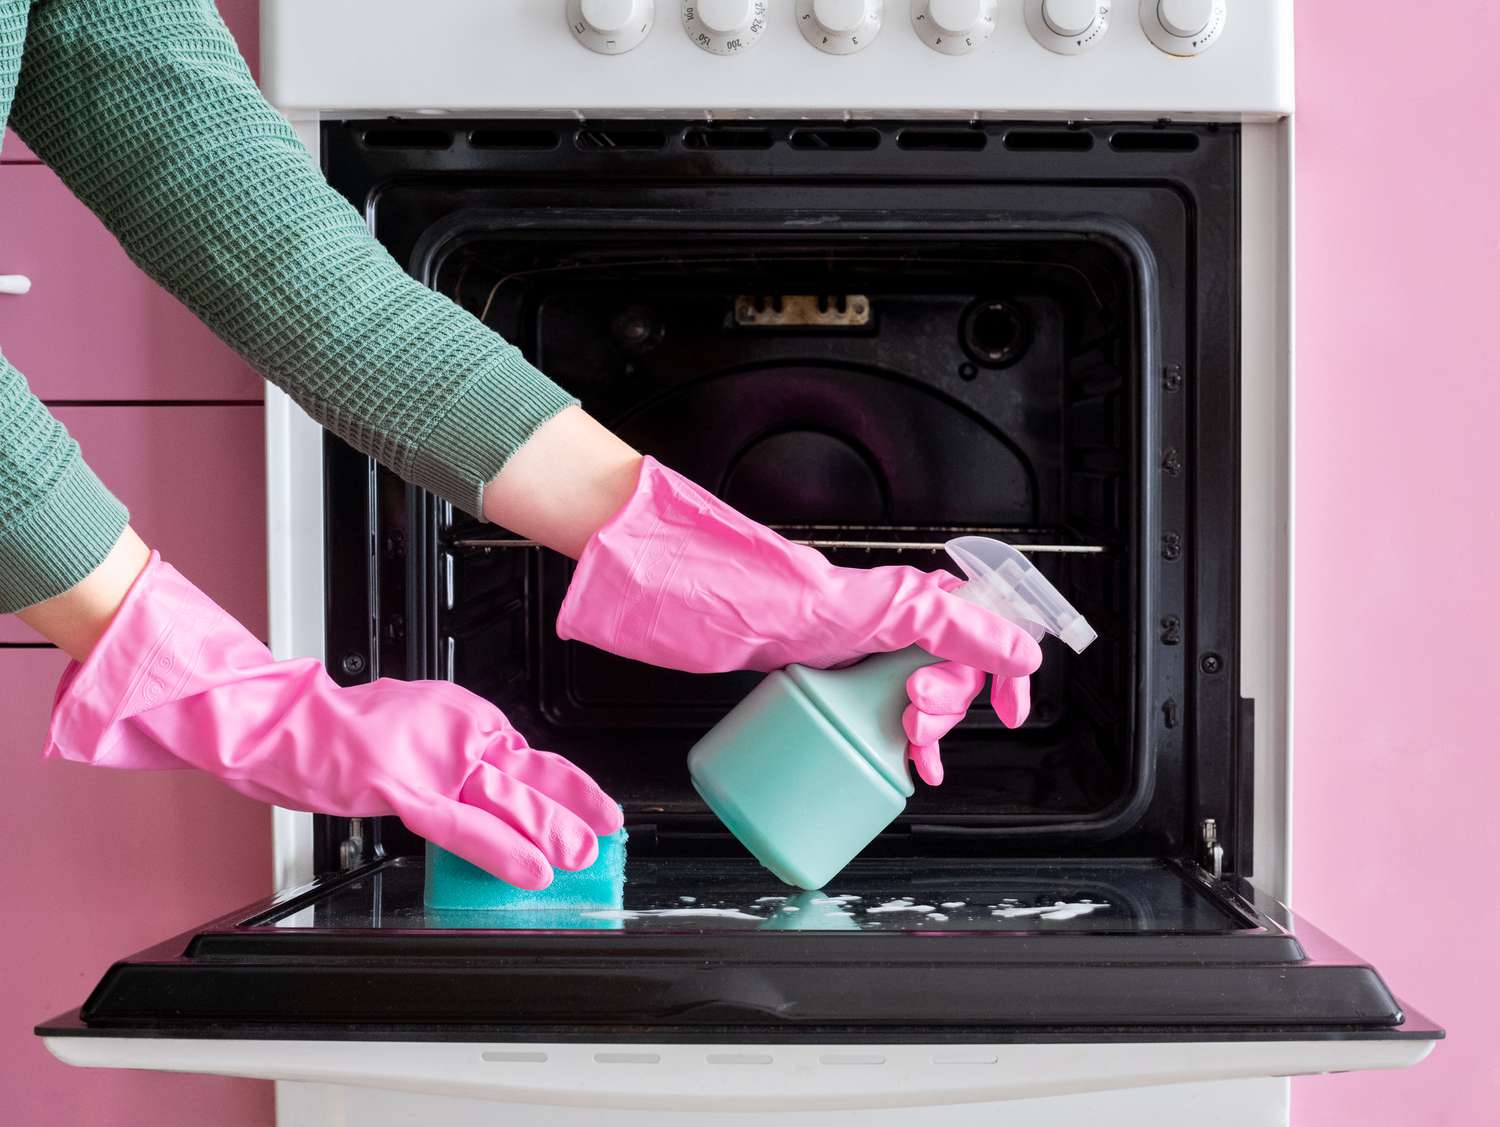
(716, 58)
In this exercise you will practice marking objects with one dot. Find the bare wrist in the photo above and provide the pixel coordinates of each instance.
(74, 620)
(566, 481)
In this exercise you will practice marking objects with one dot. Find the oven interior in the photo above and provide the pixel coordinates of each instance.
(979, 388)
(872, 354)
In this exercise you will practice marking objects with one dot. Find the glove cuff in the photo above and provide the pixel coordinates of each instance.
(146, 657)
(626, 569)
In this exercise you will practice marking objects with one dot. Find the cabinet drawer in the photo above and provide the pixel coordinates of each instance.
(94, 326)
(108, 862)
(194, 479)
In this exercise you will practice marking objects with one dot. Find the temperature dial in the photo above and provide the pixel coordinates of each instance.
(839, 27)
(610, 27)
(953, 27)
(1068, 27)
(725, 27)
(1183, 27)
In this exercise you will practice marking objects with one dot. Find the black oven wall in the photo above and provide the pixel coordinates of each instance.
(872, 338)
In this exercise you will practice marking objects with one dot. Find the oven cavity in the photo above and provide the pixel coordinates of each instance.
(872, 337)
(821, 383)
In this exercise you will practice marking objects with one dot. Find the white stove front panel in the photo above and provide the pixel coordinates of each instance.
(523, 57)
(770, 1080)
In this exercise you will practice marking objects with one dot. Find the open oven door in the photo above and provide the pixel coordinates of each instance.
(711, 986)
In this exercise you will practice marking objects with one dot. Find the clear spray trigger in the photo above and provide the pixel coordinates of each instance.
(1004, 581)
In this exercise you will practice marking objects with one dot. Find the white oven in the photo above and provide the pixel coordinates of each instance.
(1071, 224)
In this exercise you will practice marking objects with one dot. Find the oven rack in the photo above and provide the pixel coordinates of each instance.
(885, 538)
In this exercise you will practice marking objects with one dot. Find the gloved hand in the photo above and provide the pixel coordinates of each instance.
(679, 579)
(176, 682)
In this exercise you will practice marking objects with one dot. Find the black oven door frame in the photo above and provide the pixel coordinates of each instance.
(1168, 205)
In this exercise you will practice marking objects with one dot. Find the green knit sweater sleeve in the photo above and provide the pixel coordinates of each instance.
(146, 109)
(57, 521)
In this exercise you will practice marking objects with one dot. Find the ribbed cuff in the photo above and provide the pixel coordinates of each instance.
(57, 543)
(489, 420)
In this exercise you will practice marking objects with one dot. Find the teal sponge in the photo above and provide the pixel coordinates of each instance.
(453, 885)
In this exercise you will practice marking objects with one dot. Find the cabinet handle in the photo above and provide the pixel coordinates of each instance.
(14, 284)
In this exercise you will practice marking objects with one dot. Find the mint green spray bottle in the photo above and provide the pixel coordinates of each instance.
(811, 766)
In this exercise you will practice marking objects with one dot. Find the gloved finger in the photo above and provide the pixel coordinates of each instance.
(949, 627)
(1011, 697)
(940, 695)
(473, 834)
(945, 687)
(560, 780)
(928, 727)
(923, 730)
(929, 765)
(564, 838)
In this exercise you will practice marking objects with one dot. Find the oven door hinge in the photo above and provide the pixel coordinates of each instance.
(1211, 855)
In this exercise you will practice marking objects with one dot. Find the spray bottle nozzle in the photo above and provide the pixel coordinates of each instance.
(1004, 581)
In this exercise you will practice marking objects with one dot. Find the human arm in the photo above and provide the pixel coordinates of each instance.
(151, 117)
(164, 679)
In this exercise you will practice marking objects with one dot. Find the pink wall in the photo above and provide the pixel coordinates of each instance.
(1398, 418)
(107, 862)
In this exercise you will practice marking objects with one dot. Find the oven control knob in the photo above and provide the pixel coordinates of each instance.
(610, 27)
(1068, 27)
(1183, 27)
(953, 27)
(840, 27)
(725, 27)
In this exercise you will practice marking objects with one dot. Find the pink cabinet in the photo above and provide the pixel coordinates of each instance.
(194, 480)
(15, 151)
(93, 325)
(107, 862)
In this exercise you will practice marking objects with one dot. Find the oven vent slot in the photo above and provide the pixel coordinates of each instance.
(517, 138)
(392, 138)
(507, 1057)
(732, 138)
(600, 139)
(1049, 141)
(1153, 141)
(841, 140)
(948, 140)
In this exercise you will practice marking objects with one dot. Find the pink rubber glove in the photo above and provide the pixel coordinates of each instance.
(176, 682)
(679, 579)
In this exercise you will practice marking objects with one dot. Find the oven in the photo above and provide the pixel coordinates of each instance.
(878, 297)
